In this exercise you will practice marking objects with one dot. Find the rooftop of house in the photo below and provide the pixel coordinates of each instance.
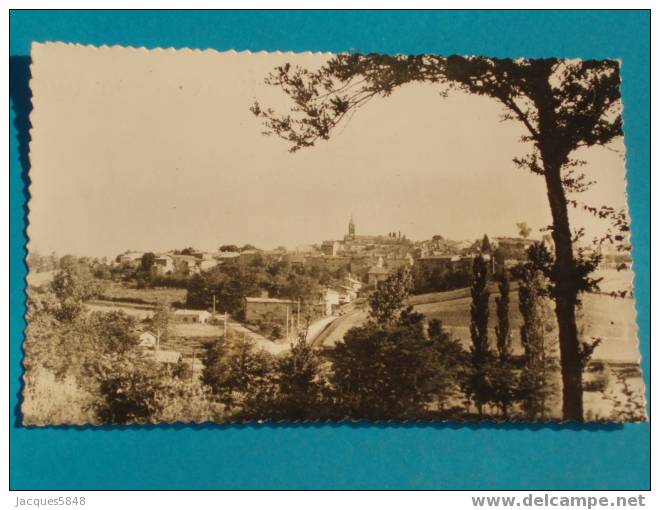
(268, 300)
(191, 312)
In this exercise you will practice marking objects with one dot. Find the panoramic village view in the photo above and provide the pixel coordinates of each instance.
(246, 334)
(217, 237)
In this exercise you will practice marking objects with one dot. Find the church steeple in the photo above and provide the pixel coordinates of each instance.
(351, 228)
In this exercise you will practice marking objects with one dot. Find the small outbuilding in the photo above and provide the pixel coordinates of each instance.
(192, 316)
(147, 340)
(376, 275)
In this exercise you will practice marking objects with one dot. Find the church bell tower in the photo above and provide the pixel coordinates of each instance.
(351, 229)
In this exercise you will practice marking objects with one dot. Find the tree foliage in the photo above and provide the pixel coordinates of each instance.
(114, 331)
(256, 386)
(579, 96)
(486, 247)
(523, 229)
(94, 360)
(147, 262)
(503, 327)
(481, 357)
(237, 373)
(439, 280)
(161, 323)
(564, 105)
(302, 392)
(231, 283)
(73, 285)
(38, 263)
(504, 378)
(536, 381)
(479, 310)
(396, 371)
(135, 389)
(389, 299)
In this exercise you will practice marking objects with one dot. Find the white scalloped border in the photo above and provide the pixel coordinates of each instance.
(302, 423)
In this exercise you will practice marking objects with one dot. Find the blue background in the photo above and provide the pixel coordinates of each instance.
(441, 456)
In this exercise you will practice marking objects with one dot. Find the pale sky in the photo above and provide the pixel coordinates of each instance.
(156, 150)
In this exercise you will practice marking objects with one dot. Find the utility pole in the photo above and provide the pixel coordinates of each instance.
(213, 305)
(157, 339)
(225, 325)
(287, 322)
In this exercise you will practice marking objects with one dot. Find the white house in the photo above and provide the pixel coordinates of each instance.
(329, 299)
(185, 263)
(192, 316)
(353, 282)
(164, 264)
(147, 340)
(346, 294)
(377, 274)
(130, 257)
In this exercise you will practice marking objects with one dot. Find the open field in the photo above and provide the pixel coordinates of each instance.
(603, 316)
(140, 312)
(611, 319)
(436, 297)
(116, 291)
(143, 312)
(157, 295)
(186, 336)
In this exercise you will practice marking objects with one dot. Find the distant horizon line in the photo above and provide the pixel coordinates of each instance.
(288, 248)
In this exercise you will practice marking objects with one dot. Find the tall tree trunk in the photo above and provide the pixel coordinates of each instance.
(565, 295)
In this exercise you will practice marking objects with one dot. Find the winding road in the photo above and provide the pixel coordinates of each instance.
(336, 330)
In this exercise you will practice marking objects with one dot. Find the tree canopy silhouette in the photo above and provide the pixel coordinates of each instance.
(563, 104)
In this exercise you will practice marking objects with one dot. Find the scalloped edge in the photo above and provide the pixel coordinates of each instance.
(151, 424)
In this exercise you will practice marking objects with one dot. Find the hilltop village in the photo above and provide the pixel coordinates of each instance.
(276, 295)
(271, 296)
(175, 309)
(355, 264)
(365, 259)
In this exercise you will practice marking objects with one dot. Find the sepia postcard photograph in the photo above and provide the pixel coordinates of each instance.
(238, 237)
